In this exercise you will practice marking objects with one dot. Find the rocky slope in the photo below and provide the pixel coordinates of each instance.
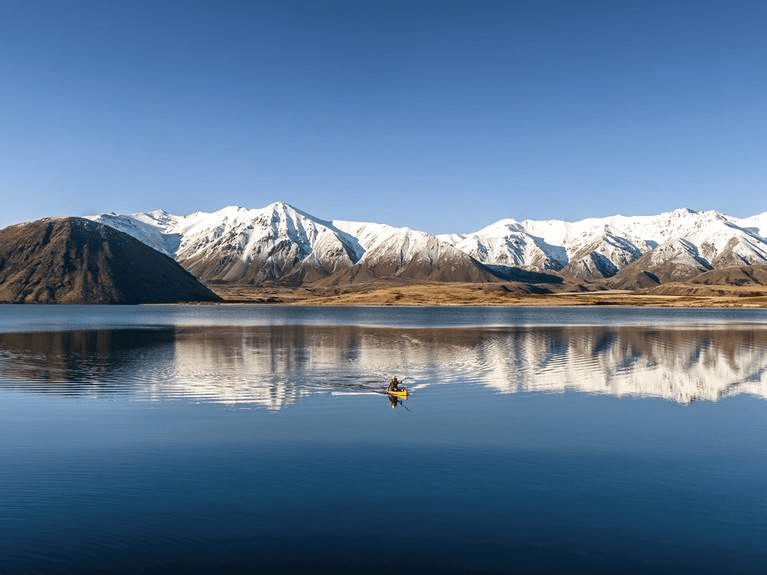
(75, 260)
(735, 276)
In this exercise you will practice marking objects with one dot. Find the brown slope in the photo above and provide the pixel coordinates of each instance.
(734, 276)
(74, 260)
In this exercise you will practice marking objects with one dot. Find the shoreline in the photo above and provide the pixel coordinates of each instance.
(502, 295)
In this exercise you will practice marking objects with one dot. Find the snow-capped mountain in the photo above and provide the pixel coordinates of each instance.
(275, 243)
(392, 252)
(688, 241)
(281, 244)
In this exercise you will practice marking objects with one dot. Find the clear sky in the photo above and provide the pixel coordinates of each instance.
(438, 115)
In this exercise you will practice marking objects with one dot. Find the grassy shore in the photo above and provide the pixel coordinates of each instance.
(668, 295)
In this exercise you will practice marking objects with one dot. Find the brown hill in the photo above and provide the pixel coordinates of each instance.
(735, 276)
(74, 260)
(741, 281)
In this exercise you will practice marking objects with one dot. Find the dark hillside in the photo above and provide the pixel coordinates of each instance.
(74, 260)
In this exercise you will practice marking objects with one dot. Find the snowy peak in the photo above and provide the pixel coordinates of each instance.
(756, 225)
(261, 245)
(406, 254)
(144, 227)
(511, 245)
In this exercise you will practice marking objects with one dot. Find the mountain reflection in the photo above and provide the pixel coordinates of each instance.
(82, 362)
(275, 366)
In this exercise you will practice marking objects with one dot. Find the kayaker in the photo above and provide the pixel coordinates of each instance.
(393, 384)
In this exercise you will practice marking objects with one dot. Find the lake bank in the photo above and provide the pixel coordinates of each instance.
(438, 294)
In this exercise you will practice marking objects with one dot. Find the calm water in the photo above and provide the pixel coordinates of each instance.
(245, 439)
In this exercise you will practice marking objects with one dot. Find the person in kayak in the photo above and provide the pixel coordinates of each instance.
(393, 384)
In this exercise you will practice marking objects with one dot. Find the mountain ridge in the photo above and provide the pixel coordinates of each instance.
(283, 245)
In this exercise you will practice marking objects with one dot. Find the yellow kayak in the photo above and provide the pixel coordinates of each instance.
(398, 393)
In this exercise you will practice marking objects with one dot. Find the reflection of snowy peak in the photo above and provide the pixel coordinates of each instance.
(263, 366)
(279, 243)
(678, 365)
(275, 366)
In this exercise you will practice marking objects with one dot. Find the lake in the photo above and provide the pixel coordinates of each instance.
(243, 439)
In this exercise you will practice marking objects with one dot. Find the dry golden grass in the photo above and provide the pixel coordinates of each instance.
(671, 295)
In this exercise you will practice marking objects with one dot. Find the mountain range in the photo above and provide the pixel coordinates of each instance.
(282, 245)
(161, 257)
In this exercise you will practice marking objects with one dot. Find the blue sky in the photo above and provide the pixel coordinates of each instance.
(438, 115)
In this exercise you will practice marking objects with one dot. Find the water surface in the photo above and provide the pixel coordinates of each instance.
(243, 439)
